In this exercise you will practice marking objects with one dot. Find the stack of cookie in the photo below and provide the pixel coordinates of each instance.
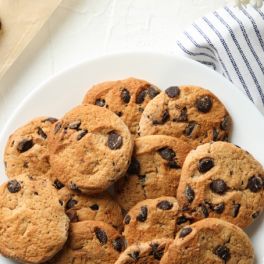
(132, 175)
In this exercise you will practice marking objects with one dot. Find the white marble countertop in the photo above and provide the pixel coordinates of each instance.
(81, 29)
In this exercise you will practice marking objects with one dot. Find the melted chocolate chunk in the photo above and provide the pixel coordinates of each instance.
(134, 255)
(235, 210)
(41, 133)
(24, 145)
(222, 252)
(165, 117)
(118, 244)
(94, 207)
(58, 185)
(134, 167)
(183, 117)
(204, 210)
(225, 124)
(218, 186)
(70, 204)
(255, 184)
(205, 165)
(181, 220)
(173, 165)
(153, 92)
(125, 96)
(173, 91)
(164, 205)
(219, 208)
(52, 120)
(82, 134)
(215, 134)
(127, 219)
(142, 216)
(57, 127)
(141, 96)
(204, 104)
(100, 102)
(189, 194)
(185, 232)
(13, 186)
(156, 252)
(115, 141)
(101, 235)
(167, 154)
(189, 128)
(75, 125)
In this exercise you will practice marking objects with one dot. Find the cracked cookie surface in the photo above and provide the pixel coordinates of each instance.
(153, 219)
(223, 181)
(27, 148)
(91, 242)
(190, 113)
(33, 225)
(90, 149)
(154, 171)
(210, 241)
(149, 252)
(126, 98)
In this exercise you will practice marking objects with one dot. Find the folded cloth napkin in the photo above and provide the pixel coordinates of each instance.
(230, 41)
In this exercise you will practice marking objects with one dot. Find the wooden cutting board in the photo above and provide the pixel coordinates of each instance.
(21, 20)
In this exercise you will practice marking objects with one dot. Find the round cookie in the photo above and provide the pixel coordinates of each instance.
(90, 149)
(102, 207)
(33, 225)
(210, 241)
(91, 242)
(223, 181)
(145, 253)
(26, 150)
(187, 112)
(127, 98)
(153, 219)
(155, 170)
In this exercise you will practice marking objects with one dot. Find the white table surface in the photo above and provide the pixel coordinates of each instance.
(82, 29)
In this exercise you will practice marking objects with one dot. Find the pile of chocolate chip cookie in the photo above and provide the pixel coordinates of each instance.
(131, 175)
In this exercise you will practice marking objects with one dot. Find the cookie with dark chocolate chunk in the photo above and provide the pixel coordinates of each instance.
(210, 241)
(126, 98)
(223, 181)
(190, 113)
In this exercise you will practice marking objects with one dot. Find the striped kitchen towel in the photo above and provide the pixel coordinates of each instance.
(230, 41)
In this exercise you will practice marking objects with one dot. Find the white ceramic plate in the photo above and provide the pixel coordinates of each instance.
(65, 90)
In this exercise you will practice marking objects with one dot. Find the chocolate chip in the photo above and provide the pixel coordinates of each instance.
(189, 128)
(165, 117)
(125, 96)
(225, 124)
(167, 153)
(73, 186)
(219, 208)
(255, 184)
(60, 201)
(181, 220)
(72, 216)
(71, 203)
(13, 186)
(142, 179)
(134, 167)
(185, 232)
(172, 91)
(100, 102)
(115, 141)
(75, 125)
(25, 164)
(101, 235)
(142, 216)
(235, 210)
(222, 252)
(218, 186)
(58, 185)
(153, 92)
(82, 134)
(173, 165)
(204, 104)
(118, 244)
(189, 193)
(183, 117)
(204, 210)
(255, 215)
(57, 128)
(215, 134)
(164, 205)
(205, 165)
(134, 255)
(156, 252)
(24, 145)
(94, 207)
(41, 133)
(127, 219)
(141, 96)
(119, 114)
(52, 120)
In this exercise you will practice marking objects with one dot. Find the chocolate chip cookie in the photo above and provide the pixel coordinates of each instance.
(154, 171)
(33, 225)
(90, 149)
(127, 98)
(187, 112)
(210, 241)
(26, 150)
(149, 252)
(153, 219)
(223, 181)
(102, 207)
(91, 242)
